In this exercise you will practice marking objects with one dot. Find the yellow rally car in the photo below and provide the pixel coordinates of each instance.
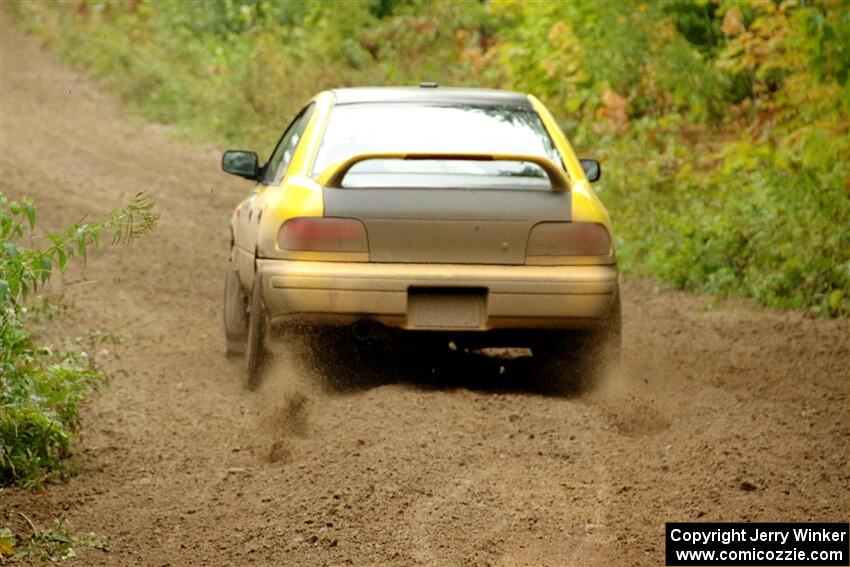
(460, 214)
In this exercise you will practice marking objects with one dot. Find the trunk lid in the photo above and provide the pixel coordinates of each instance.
(453, 226)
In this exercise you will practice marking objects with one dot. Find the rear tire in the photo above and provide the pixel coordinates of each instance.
(575, 361)
(235, 315)
(255, 348)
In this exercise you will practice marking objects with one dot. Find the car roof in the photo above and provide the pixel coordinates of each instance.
(485, 97)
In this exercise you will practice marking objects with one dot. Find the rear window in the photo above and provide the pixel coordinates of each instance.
(436, 128)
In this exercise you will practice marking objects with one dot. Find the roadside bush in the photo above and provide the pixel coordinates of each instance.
(41, 388)
(724, 128)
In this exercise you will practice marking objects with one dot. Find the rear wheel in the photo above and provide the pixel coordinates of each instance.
(235, 315)
(575, 361)
(255, 348)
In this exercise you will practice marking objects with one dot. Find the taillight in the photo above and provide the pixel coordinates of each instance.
(569, 239)
(319, 234)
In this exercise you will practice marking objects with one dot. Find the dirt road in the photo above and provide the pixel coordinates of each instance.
(722, 414)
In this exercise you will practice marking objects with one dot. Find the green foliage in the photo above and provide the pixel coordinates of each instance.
(236, 72)
(51, 544)
(22, 270)
(724, 125)
(40, 390)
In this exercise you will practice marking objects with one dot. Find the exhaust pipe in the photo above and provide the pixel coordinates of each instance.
(363, 331)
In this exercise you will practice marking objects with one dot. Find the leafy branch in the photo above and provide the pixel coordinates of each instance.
(41, 389)
(24, 269)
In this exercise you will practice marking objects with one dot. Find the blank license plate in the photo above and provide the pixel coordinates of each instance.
(446, 309)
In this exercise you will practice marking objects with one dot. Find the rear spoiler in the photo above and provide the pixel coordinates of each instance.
(333, 175)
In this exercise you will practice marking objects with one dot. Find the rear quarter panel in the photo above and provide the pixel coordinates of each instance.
(296, 196)
(586, 206)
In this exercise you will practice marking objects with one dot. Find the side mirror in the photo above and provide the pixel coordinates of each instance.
(243, 164)
(592, 169)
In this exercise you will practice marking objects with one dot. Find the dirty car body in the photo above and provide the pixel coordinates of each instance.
(463, 212)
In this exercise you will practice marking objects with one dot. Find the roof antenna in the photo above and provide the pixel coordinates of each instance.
(428, 85)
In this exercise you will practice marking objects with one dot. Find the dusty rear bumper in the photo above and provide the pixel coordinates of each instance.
(514, 297)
